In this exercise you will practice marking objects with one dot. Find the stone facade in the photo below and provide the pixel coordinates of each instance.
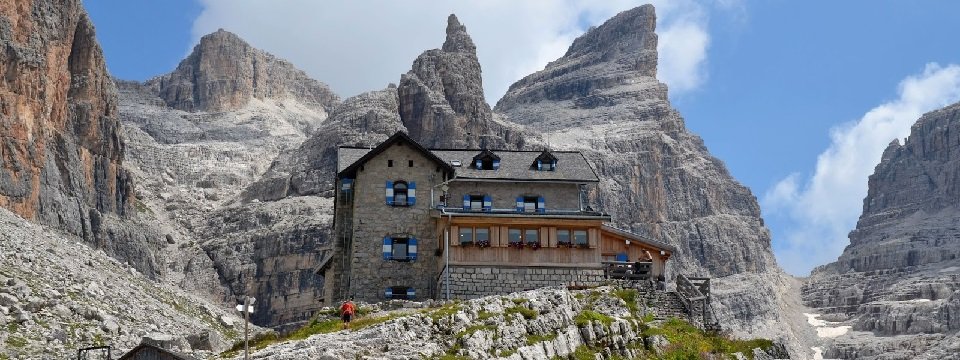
(470, 282)
(373, 219)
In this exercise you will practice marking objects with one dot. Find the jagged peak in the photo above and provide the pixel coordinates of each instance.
(633, 29)
(458, 40)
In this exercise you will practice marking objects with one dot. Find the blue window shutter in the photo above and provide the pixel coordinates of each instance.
(487, 203)
(519, 203)
(412, 193)
(412, 249)
(387, 248)
(539, 164)
(389, 192)
(541, 205)
(622, 257)
(466, 202)
(389, 293)
(496, 164)
(553, 166)
(346, 184)
(411, 293)
(478, 164)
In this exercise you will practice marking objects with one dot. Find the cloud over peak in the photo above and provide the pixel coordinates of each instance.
(362, 45)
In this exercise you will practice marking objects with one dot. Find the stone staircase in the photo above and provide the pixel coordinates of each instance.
(666, 305)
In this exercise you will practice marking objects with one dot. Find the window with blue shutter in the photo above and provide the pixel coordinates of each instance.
(412, 193)
(496, 164)
(541, 205)
(389, 293)
(487, 203)
(389, 192)
(478, 164)
(411, 294)
(412, 249)
(553, 165)
(466, 202)
(346, 185)
(387, 248)
(519, 203)
(539, 164)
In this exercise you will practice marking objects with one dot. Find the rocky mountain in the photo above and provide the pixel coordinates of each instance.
(897, 285)
(224, 73)
(603, 99)
(200, 135)
(441, 98)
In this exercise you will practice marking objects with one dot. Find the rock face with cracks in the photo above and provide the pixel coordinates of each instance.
(898, 282)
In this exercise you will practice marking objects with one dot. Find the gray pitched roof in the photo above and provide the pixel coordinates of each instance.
(514, 165)
(519, 165)
(346, 156)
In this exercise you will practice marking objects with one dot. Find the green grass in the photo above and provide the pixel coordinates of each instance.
(629, 296)
(688, 342)
(519, 301)
(484, 315)
(583, 352)
(533, 339)
(526, 312)
(445, 311)
(12, 327)
(474, 328)
(507, 353)
(16, 341)
(319, 325)
(586, 316)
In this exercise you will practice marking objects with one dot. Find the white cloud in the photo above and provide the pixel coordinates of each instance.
(363, 45)
(825, 208)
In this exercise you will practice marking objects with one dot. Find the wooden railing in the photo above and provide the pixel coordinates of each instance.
(624, 270)
(695, 296)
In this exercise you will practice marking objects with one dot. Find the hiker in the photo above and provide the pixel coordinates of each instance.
(346, 312)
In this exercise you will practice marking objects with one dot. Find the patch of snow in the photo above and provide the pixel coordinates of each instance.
(823, 330)
(950, 269)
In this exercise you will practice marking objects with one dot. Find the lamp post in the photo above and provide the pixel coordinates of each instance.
(246, 308)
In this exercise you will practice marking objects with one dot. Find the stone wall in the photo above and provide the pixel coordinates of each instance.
(557, 196)
(470, 282)
(369, 273)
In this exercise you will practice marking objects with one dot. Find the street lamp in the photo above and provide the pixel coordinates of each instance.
(246, 308)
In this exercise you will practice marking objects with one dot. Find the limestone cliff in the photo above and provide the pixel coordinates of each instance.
(900, 275)
(62, 151)
(657, 178)
(224, 73)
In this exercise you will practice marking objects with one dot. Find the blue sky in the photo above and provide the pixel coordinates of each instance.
(781, 91)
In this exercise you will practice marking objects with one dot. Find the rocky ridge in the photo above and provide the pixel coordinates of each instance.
(897, 285)
(538, 324)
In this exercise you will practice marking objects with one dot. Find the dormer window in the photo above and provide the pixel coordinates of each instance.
(545, 162)
(486, 160)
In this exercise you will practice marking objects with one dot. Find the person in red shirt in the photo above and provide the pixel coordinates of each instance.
(346, 312)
